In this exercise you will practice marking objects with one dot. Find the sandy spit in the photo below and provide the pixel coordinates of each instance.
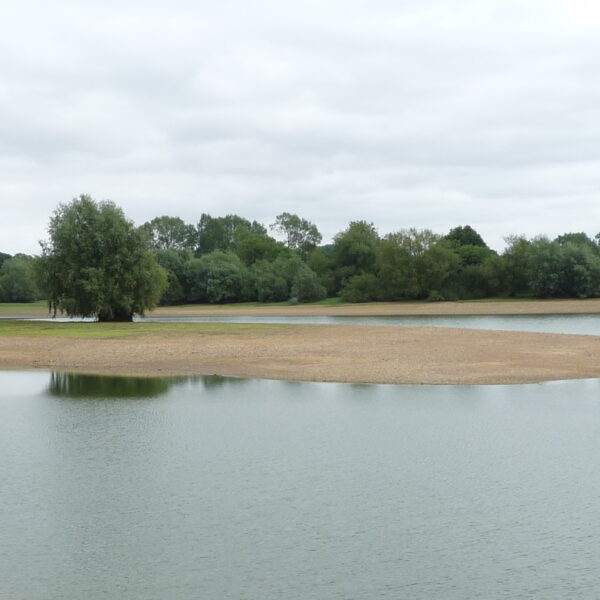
(336, 353)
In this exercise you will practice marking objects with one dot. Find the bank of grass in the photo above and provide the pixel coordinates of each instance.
(93, 330)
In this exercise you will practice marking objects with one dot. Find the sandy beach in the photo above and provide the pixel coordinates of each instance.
(336, 353)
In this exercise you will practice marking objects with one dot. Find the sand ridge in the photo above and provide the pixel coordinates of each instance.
(335, 353)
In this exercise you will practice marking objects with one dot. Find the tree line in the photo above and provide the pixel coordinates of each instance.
(231, 259)
(116, 269)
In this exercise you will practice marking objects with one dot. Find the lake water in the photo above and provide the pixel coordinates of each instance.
(586, 324)
(583, 324)
(120, 488)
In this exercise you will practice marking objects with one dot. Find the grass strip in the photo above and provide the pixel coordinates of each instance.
(91, 330)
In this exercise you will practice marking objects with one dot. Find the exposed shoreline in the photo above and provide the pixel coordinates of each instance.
(491, 307)
(327, 353)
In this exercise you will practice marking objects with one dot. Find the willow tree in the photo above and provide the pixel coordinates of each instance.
(98, 264)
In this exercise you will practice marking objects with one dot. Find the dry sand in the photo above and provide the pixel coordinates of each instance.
(342, 353)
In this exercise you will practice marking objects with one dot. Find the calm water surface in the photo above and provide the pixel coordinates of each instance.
(242, 489)
(585, 324)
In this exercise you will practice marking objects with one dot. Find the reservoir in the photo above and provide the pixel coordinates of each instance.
(577, 324)
(184, 488)
(583, 324)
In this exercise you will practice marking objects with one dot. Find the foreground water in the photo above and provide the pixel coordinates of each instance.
(229, 489)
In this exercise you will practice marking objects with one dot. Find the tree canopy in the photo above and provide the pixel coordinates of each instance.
(17, 279)
(98, 264)
(465, 235)
(299, 234)
(168, 233)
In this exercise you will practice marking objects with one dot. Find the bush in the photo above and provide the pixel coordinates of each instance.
(216, 277)
(435, 296)
(360, 288)
(17, 280)
(306, 286)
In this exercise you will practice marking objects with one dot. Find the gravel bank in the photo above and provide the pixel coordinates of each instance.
(337, 353)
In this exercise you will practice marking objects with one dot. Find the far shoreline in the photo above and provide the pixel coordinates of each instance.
(488, 306)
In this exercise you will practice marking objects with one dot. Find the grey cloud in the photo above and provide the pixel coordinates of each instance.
(429, 114)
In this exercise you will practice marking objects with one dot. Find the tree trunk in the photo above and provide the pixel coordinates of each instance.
(118, 316)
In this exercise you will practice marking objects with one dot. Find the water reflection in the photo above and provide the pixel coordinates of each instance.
(82, 386)
(218, 381)
(72, 385)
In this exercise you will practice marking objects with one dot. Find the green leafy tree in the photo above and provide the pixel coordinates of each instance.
(478, 280)
(306, 286)
(471, 255)
(415, 263)
(175, 262)
(577, 239)
(223, 233)
(270, 283)
(569, 268)
(299, 234)
(543, 274)
(363, 287)
(3, 257)
(253, 247)
(170, 233)
(477, 276)
(17, 280)
(274, 280)
(217, 277)
(465, 235)
(579, 271)
(320, 260)
(516, 260)
(97, 264)
(355, 251)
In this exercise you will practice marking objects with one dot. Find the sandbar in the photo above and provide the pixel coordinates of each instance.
(327, 353)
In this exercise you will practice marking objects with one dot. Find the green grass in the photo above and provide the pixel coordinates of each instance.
(91, 330)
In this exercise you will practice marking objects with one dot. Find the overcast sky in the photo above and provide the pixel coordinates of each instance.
(417, 113)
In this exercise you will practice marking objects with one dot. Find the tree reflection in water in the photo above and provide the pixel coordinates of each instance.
(75, 385)
(80, 386)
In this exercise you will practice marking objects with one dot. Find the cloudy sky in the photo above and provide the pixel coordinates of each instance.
(407, 113)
